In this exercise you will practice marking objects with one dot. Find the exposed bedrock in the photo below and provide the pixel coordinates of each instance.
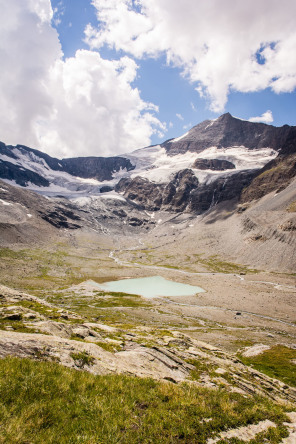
(213, 164)
(100, 168)
(173, 196)
(183, 192)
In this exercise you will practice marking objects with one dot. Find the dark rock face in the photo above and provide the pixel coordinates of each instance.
(228, 131)
(277, 174)
(21, 175)
(183, 192)
(61, 217)
(173, 196)
(141, 191)
(106, 189)
(179, 190)
(222, 189)
(213, 164)
(100, 168)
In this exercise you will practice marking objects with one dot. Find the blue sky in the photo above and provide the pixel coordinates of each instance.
(103, 77)
(165, 86)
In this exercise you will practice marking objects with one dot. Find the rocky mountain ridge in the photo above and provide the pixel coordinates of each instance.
(219, 160)
(226, 131)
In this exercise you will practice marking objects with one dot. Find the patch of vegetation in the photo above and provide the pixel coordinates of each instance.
(292, 207)
(215, 264)
(109, 346)
(242, 343)
(118, 299)
(149, 343)
(201, 367)
(8, 253)
(82, 358)
(270, 171)
(17, 326)
(49, 312)
(276, 363)
(75, 337)
(43, 402)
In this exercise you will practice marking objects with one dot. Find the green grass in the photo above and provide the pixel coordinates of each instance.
(108, 346)
(17, 326)
(201, 367)
(82, 358)
(276, 362)
(43, 402)
(49, 312)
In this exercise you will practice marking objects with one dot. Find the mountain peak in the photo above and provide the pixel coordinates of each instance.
(227, 131)
(225, 116)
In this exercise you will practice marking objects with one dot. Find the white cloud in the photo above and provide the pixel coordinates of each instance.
(217, 42)
(83, 105)
(266, 117)
(180, 116)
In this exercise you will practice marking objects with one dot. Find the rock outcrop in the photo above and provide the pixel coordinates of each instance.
(173, 196)
(213, 164)
(168, 360)
(183, 192)
(100, 168)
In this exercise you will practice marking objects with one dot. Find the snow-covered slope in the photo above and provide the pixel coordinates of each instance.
(157, 166)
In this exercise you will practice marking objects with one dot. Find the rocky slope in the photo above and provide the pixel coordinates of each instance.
(69, 338)
(27, 217)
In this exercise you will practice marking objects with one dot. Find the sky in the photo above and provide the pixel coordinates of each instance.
(105, 77)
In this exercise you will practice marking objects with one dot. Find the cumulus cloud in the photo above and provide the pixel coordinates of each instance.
(83, 105)
(220, 45)
(266, 117)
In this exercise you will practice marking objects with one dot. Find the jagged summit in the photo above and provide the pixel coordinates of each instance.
(227, 131)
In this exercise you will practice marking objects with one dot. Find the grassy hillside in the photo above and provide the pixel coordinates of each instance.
(43, 402)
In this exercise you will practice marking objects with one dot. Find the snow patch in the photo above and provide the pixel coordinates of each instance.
(5, 203)
(120, 173)
(113, 196)
(212, 123)
(180, 138)
(242, 157)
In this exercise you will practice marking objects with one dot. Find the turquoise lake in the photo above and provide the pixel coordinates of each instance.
(150, 287)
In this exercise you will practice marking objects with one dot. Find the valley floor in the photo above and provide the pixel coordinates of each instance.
(236, 339)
